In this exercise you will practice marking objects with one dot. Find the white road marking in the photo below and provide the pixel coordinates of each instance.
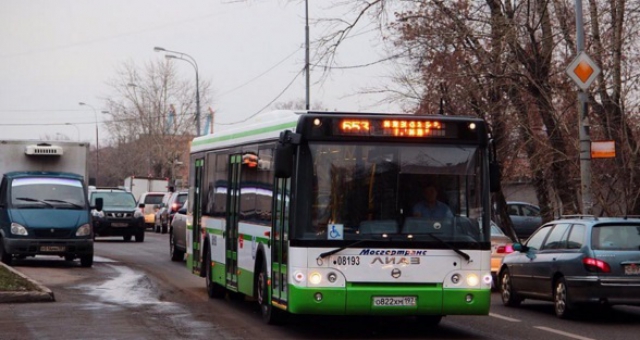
(570, 335)
(504, 317)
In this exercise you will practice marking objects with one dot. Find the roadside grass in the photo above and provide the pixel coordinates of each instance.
(11, 282)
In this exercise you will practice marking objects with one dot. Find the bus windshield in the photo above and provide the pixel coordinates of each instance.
(398, 191)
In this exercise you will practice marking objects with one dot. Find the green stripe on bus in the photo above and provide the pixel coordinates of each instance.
(245, 134)
(358, 300)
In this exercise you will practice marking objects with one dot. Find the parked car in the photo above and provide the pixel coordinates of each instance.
(159, 211)
(151, 201)
(501, 245)
(525, 218)
(119, 216)
(170, 205)
(178, 233)
(575, 262)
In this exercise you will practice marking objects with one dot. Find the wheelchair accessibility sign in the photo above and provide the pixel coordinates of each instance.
(335, 232)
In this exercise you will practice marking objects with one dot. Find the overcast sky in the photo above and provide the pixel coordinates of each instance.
(54, 54)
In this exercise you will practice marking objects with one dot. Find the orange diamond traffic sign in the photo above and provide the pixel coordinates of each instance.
(583, 70)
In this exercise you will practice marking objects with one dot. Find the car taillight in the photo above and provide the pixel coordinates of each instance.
(504, 249)
(175, 207)
(595, 265)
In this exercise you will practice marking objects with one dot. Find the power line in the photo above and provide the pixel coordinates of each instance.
(261, 74)
(271, 102)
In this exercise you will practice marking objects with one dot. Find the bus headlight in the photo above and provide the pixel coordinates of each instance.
(315, 278)
(473, 280)
(17, 229)
(84, 230)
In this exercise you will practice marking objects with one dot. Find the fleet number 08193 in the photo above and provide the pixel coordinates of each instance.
(346, 260)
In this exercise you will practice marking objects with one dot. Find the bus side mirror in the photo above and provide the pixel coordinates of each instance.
(283, 160)
(283, 157)
(494, 176)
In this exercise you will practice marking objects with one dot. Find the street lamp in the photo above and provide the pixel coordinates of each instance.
(193, 63)
(97, 139)
(77, 129)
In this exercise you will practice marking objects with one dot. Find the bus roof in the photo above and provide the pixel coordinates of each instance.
(264, 126)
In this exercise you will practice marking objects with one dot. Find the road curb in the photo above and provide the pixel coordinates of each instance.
(43, 294)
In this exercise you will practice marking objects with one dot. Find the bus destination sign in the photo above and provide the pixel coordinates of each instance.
(390, 128)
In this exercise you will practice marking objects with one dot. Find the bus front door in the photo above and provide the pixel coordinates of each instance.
(197, 234)
(280, 244)
(235, 163)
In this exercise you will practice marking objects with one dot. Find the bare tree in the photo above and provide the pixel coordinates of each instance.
(152, 120)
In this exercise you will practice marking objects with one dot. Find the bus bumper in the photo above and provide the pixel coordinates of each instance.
(359, 300)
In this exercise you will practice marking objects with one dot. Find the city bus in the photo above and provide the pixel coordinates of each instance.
(312, 213)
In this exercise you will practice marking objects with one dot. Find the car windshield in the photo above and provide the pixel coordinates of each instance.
(46, 192)
(153, 199)
(115, 199)
(616, 237)
(394, 191)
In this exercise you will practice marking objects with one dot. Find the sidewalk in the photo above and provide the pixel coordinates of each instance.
(43, 294)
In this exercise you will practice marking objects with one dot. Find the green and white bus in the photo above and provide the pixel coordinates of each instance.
(311, 213)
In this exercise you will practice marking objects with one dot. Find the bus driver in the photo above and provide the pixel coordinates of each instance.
(430, 206)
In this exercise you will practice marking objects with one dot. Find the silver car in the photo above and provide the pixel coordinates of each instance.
(178, 233)
(574, 262)
(525, 217)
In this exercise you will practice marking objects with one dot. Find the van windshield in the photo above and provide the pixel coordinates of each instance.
(43, 192)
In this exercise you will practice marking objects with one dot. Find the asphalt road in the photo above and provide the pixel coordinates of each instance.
(134, 291)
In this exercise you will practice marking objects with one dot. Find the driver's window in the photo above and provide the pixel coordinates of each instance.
(535, 241)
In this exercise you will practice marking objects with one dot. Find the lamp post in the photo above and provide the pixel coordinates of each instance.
(193, 63)
(77, 129)
(97, 139)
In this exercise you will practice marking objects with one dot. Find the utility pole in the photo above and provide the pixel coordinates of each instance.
(306, 30)
(583, 71)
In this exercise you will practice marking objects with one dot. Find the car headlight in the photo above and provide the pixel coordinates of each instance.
(17, 229)
(84, 230)
(97, 213)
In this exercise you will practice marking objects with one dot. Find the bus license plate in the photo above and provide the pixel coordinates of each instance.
(632, 270)
(52, 248)
(391, 301)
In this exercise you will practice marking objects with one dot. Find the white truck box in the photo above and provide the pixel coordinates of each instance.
(139, 185)
(36, 155)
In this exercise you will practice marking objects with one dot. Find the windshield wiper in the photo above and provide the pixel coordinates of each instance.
(331, 252)
(34, 200)
(61, 201)
(460, 252)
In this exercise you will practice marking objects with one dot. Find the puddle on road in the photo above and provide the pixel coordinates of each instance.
(130, 289)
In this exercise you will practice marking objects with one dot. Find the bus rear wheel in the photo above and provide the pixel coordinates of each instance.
(270, 315)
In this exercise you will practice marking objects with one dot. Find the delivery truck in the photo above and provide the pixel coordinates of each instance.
(44, 208)
(138, 185)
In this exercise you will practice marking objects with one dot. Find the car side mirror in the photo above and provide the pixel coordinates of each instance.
(99, 204)
(520, 247)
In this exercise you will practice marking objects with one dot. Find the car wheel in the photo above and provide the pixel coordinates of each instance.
(176, 254)
(5, 257)
(86, 260)
(509, 297)
(139, 236)
(561, 304)
(214, 290)
(270, 315)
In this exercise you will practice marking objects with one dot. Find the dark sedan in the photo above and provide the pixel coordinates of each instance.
(574, 262)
